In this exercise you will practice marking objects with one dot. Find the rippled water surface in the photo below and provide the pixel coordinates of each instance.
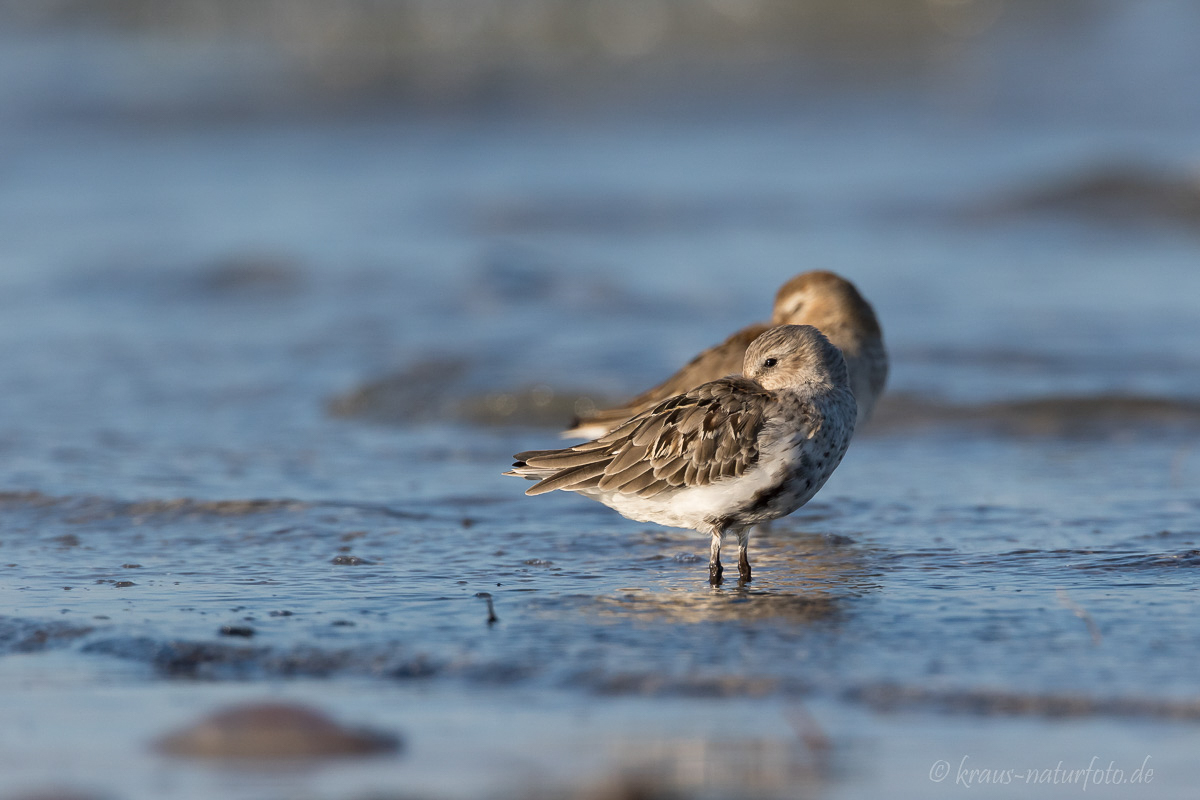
(259, 378)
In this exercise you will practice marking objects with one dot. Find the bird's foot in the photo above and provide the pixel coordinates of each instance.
(743, 570)
(714, 573)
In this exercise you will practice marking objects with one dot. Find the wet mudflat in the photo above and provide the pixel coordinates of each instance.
(868, 619)
(259, 378)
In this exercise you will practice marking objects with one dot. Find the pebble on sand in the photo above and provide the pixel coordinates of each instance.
(267, 731)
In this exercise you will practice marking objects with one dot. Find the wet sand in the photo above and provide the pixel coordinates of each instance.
(260, 373)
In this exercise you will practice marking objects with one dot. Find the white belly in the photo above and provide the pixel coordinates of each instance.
(699, 507)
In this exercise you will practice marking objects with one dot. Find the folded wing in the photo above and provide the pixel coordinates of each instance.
(715, 362)
(693, 439)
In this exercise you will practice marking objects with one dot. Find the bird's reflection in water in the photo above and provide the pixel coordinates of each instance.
(798, 576)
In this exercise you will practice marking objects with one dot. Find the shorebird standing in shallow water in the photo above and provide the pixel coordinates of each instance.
(725, 455)
(821, 299)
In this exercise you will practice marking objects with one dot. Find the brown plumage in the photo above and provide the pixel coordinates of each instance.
(822, 299)
(725, 455)
(692, 439)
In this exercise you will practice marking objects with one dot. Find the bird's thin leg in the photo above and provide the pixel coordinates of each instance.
(714, 559)
(743, 537)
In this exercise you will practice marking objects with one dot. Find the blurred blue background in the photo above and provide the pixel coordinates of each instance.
(236, 236)
(1012, 183)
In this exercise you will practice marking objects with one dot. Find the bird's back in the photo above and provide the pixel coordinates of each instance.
(715, 362)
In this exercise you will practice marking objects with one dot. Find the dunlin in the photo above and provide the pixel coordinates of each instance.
(821, 299)
(725, 455)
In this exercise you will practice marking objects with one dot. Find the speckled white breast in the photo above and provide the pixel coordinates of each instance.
(792, 467)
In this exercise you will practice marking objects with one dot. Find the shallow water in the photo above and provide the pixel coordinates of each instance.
(196, 314)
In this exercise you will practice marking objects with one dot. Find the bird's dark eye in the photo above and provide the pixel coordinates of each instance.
(770, 362)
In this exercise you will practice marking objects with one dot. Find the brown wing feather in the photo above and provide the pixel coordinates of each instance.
(716, 362)
(706, 434)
